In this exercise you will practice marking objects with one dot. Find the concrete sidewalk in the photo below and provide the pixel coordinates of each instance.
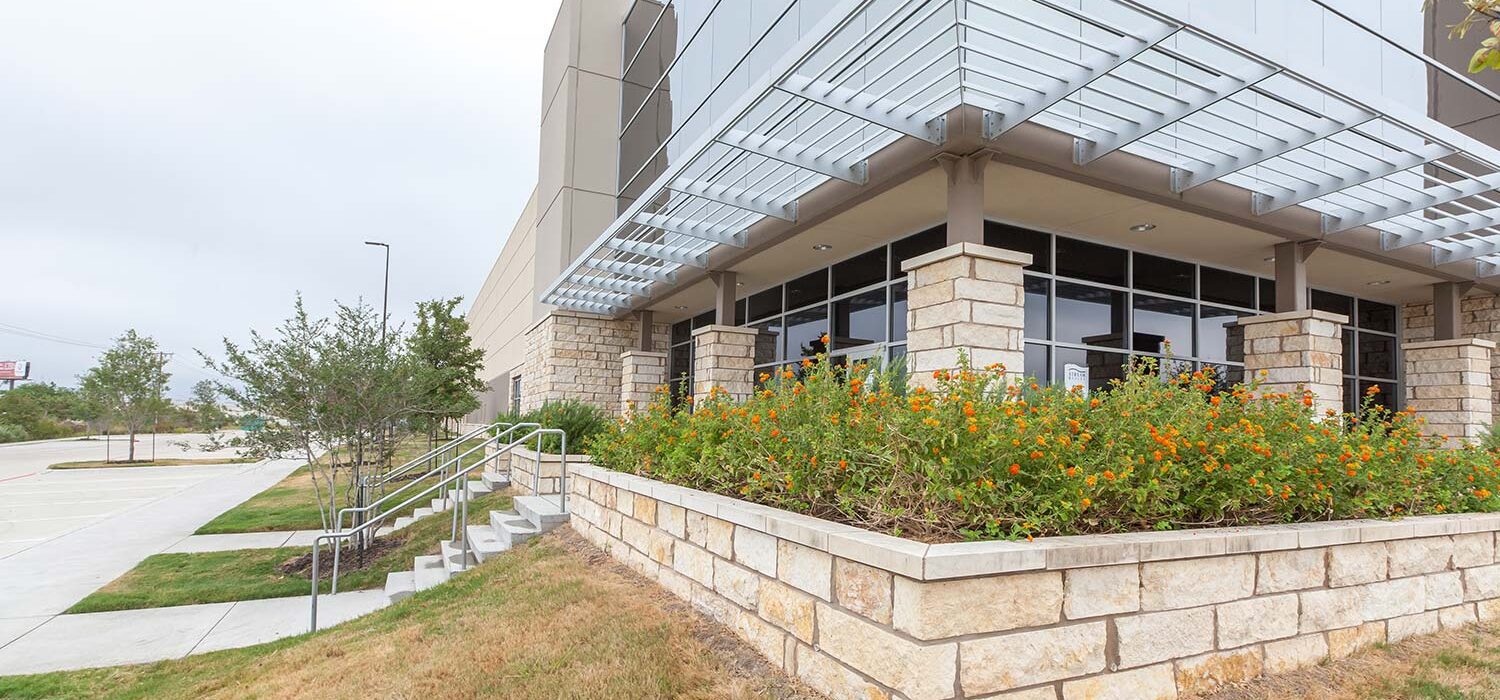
(67, 642)
(226, 542)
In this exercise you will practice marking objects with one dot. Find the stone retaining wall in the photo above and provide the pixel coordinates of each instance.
(524, 464)
(857, 614)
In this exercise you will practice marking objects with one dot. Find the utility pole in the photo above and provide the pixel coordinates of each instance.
(385, 294)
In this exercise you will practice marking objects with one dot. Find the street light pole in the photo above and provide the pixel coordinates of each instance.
(385, 295)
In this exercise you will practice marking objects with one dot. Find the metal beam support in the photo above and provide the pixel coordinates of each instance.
(863, 106)
(725, 282)
(1078, 77)
(1086, 151)
(645, 341)
(1438, 229)
(660, 252)
(715, 233)
(588, 306)
(1447, 309)
(595, 295)
(1291, 275)
(792, 153)
(1474, 248)
(965, 196)
(1453, 191)
(1306, 192)
(651, 273)
(640, 288)
(735, 197)
(1245, 157)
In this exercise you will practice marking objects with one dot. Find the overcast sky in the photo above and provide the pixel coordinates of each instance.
(185, 167)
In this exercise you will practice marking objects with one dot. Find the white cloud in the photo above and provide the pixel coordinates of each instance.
(184, 168)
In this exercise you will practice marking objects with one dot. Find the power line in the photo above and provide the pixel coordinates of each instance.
(38, 335)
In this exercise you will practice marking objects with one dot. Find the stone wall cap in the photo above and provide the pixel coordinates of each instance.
(573, 457)
(1296, 316)
(643, 353)
(722, 328)
(1455, 342)
(953, 560)
(970, 249)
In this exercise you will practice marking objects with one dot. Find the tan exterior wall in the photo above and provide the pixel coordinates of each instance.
(502, 311)
(1160, 615)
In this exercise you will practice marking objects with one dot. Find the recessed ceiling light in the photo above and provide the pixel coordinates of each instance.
(1270, 258)
(1378, 283)
(739, 284)
(822, 246)
(680, 307)
(1142, 228)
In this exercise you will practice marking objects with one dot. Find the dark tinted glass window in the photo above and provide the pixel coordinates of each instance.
(1009, 237)
(739, 312)
(682, 362)
(859, 271)
(1376, 316)
(1333, 303)
(1036, 308)
(768, 342)
(1214, 337)
(1377, 356)
(808, 289)
(859, 320)
(1163, 326)
(682, 331)
(1163, 275)
(1102, 366)
(1036, 363)
(1347, 338)
(704, 319)
(765, 303)
(1090, 261)
(1223, 287)
(914, 245)
(1385, 398)
(1090, 315)
(804, 333)
(1268, 296)
(898, 312)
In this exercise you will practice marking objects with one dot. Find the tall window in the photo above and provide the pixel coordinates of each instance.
(515, 394)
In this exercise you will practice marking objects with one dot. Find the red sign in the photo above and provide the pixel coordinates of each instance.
(14, 369)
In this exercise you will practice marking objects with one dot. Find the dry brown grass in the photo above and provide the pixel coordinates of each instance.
(1453, 665)
(558, 619)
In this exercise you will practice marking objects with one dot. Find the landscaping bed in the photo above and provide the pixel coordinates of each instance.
(984, 456)
(101, 464)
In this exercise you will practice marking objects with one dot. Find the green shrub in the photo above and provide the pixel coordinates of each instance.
(982, 456)
(13, 433)
(581, 421)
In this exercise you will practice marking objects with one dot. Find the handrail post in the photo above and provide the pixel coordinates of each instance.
(313, 625)
(337, 548)
(562, 479)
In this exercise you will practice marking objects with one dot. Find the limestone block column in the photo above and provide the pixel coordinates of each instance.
(965, 299)
(1448, 384)
(641, 373)
(1297, 350)
(724, 357)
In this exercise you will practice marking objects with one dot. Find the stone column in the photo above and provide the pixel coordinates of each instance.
(572, 355)
(1297, 350)
(640, 374)
(1448, 385)
(724, 357)
(965, 299)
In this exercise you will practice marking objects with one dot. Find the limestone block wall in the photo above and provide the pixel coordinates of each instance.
(573, 355)
(1296, 351)
(857, 614)
(640, 374)
(1481, 319)
(1448, 385)
(525, 465)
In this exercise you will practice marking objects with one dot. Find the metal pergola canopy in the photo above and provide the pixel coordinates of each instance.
(1122, 76)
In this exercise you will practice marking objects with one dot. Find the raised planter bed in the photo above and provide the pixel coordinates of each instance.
(525, 464)
(858, 614)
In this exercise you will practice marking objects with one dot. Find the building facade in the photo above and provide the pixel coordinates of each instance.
(1302, 187)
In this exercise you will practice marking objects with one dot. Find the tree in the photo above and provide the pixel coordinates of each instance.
(325, 387)
(127, 384)
(447, 362)
(41, 411)
(208, 415)
(1486, 12)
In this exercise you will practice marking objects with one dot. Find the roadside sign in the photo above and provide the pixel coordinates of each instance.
(14, 370)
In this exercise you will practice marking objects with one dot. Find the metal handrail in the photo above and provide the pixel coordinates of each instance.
(459, 474)
(338, 521)
(398, 471)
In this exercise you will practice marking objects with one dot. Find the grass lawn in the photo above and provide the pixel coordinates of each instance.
(100, 464)
(292, 504)
(556, 619)
(247, 574)
(1454, 665)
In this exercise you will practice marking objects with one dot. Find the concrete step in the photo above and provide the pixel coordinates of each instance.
(439, 505)
(512, 529)
(542, 512)
(429, 571)
(403, 521)
(484, 542)
(475, 489)
(495, 480)
(420, 513)
(400, 585)
(385, 530)
(453, 557)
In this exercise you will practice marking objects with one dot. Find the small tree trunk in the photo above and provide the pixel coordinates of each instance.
(131, 455)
